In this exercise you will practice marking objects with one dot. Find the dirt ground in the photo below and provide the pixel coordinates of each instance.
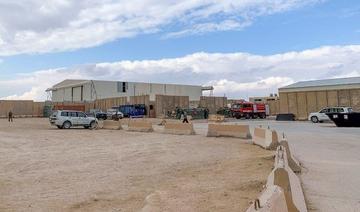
(43, 168)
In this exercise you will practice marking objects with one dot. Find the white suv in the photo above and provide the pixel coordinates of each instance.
(65, 119)
(321, 115)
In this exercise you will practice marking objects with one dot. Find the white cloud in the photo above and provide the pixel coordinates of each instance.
(236, 74)
(37, 26)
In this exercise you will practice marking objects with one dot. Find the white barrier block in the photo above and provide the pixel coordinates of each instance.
(293, 163)
(272, 199)
(268, 139)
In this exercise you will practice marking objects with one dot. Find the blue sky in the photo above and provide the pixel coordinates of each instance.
(297, 27)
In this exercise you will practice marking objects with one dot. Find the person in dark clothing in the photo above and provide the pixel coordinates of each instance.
(206, 113)
(10, 116)
(185, 120)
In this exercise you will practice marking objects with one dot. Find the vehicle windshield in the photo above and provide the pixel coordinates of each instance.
(236, 106)
(54, 113)
(325, 110)
(350, 110)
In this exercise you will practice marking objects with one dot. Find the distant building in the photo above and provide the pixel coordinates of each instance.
(302, 98)
(90, 90)
(264, 99)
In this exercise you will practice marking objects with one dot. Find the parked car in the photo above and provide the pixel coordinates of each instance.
(114, 114)
(100, 115)
(321, 115)
(65, 119)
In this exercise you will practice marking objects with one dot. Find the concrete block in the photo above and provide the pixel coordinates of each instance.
(216, 118)
(111, 125)
(140, 126)
(268, 139)
(222, 130)
(285, 178)
(179, 128)
(272, 199)
(292, 162)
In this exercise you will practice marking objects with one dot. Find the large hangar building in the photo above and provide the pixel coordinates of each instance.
(302, 98)
(91, 90)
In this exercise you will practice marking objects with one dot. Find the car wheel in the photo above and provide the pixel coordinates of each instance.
(66, 125)
(314, 119)
(93, 125)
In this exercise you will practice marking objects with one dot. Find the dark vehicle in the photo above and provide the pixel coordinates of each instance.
(97, 114)
(345, 119)
(101, 115)
(133, 111)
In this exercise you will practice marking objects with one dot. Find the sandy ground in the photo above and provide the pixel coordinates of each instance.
(46, 169)
(331, 160)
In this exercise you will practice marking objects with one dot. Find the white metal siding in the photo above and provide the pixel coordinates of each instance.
(109, 89)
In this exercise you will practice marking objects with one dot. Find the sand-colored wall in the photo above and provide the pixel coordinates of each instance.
(274, 107)
(27, 108)
(311, 102)
(303, 103)
(164, 103)
(213, 103)
(284, 108)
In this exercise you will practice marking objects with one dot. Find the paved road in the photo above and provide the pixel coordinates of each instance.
(331, 160)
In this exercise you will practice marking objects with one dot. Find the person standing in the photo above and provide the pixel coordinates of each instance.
(10, 116)
(206, 113)
(185, 120)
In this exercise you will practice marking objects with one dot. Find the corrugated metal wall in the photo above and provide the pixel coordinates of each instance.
(303, 103)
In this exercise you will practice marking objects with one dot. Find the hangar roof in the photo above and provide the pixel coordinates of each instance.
(326, 84)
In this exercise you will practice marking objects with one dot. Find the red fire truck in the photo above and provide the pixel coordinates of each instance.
(248, 110)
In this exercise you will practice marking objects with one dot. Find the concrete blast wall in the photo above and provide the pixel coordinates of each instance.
(213, 103)
(110, 125)
(179, 128)
(283, 190)
(105, 104)
(266, 138)
(227, 130)
(140, 125)
(165, 104)
(27, 108)
(303, 103)
(274, 107)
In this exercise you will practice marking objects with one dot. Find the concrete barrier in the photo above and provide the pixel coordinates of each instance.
(290, 188)
(285, 178)
(179, 128)
(268, 139)
(272, 199)
(140, 126)
(110, 125)
(227, 130)
(292, 162)
(216, 118)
